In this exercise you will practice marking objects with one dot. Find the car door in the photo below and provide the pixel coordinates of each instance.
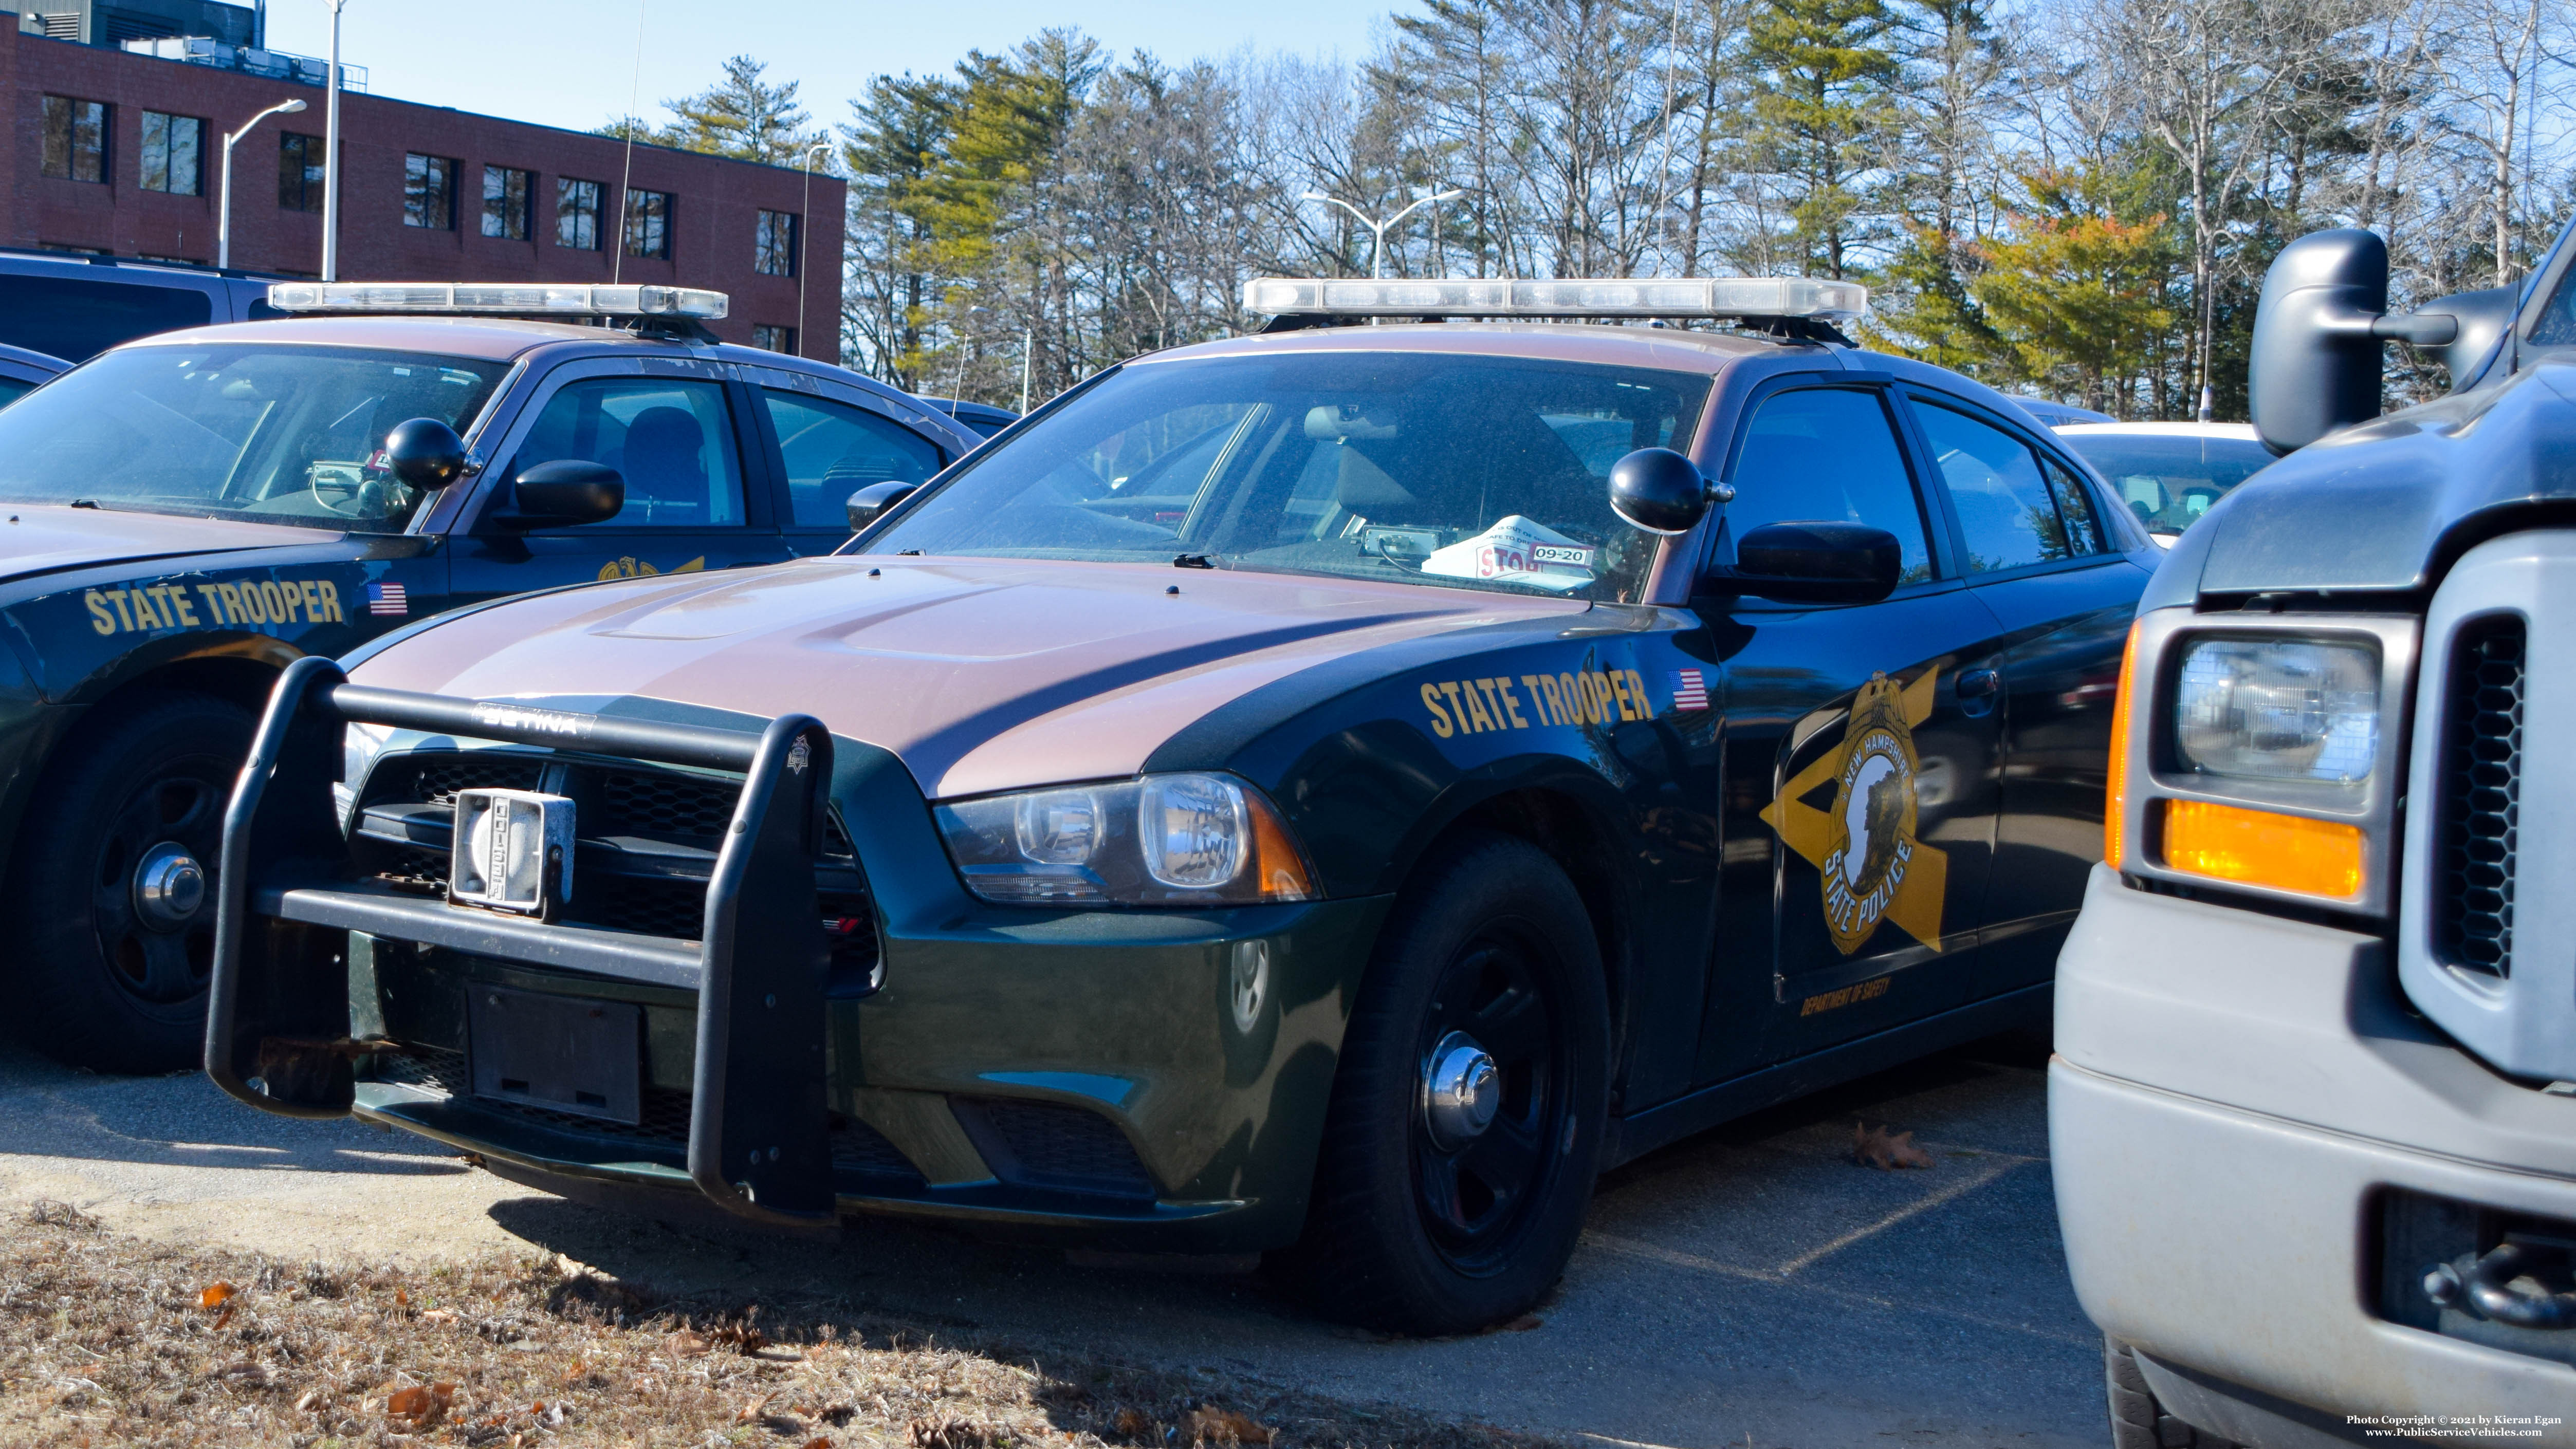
(827, 443)
(2040, 555)
(1859, 786)
(697, 494)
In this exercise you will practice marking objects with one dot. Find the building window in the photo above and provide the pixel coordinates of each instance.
(507, 194)
(648, 223)
(171, 148)
(75, 139)
(299, 172)
(429, 192)
(773, 251)
(577, 214)
(774, 339)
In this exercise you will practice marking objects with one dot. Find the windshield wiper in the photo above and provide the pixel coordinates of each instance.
(84, 503)
(1195, 561)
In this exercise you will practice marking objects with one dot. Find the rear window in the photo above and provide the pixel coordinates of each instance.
(77, 319)
(2166, 481)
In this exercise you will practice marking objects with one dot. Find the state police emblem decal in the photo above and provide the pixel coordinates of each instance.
(1872, 866)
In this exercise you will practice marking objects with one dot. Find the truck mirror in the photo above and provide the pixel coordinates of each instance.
(1816, 563)
(1660, 491)
(870, 503)
(425, 453)
(564, 493)
(2483, 318)
(2318, 330)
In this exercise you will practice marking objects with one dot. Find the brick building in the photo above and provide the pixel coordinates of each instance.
(118, 151)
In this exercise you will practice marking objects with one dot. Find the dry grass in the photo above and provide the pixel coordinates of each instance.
(107, 1340)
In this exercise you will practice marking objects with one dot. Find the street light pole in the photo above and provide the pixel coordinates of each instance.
(331, 155)
(957, 375)
(1378, 229)
(1028, 338)
(804, 224)
(224, 207)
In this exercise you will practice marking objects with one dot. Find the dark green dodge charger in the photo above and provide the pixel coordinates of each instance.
(1327, 793)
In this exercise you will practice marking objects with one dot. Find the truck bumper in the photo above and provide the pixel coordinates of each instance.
(2239, 1109)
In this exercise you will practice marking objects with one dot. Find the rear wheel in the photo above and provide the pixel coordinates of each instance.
(1466, 1118)
(2138, 1421)
(112, 886)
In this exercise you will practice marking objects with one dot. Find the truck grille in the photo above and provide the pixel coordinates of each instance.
(2480, 802)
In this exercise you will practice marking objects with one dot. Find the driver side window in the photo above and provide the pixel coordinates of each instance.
(670, 439)
(1816, 455)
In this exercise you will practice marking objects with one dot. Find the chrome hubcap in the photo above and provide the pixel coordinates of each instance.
(169, 886)
(1461, 1091)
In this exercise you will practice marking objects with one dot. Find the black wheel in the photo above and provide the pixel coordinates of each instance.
(112, 884)
(1466, 1117)
(2137, 1420)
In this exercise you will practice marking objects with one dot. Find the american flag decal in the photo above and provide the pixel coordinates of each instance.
(1689, 690)
(387, 599)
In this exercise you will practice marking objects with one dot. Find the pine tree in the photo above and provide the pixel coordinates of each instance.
(740, 116)
(1823, 104)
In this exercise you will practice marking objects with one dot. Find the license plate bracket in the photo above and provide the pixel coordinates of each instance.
(561, 1053)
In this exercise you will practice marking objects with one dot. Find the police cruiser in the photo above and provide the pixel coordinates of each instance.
(1327, 793)
(2313, 1117)
(183, 516)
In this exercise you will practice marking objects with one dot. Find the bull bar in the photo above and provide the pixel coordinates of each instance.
(758, 1124)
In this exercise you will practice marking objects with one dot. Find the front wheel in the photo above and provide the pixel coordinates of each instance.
(1466, 1119)
(111, 890)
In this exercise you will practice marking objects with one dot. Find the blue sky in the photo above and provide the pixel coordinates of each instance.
(571, 62)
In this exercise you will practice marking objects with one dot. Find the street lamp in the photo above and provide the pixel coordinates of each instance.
(224, 208)
(1378, 229)
(331, 155)
(957, 375)
(804, 224)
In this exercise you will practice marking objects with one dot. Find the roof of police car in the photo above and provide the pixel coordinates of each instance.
(490, 339)
(1671, 348)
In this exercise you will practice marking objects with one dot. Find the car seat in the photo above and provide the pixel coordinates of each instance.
(664, 464)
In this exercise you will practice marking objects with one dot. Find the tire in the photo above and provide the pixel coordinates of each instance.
(2137, 1420)
(1411, 1234)
(103, 983)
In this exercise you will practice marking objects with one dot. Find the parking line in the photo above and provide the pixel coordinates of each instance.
(1947, 1193)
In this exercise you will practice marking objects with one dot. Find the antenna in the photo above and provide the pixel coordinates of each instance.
(634, 95)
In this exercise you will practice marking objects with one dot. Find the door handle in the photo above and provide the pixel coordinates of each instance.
(1976, 689)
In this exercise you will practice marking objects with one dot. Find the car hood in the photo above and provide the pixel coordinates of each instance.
(2368, 508)
(980, 675)
(48, 538)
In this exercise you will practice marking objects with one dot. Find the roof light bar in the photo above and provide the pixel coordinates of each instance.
(485, 299)
(1825, 301)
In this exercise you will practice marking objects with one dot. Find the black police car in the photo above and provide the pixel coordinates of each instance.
(184, 515)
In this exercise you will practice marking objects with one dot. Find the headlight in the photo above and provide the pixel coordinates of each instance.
(1162, 840)
(2278, 709)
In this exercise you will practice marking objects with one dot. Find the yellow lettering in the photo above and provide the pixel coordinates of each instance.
(1536, 684)
(1430, 700)
(1449, 687)
(272, 602)
(289, 604)
(1476, 710)
(214, 603)
(1619, 692)
(186, 606)
(331, 601)
(145, 616)
(99, 618)
(1569, 701)
(1511, 705)
(124, 619)
(1637, 692)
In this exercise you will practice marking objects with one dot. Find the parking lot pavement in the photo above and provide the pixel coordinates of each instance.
(1752, 1286)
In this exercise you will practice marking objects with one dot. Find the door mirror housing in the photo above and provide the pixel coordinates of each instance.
(2319, 331)
(425, 453)
(870, 503)
(1662, 492)
(563, 494)
(1816, 563)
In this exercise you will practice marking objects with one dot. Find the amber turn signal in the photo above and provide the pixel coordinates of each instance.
(2261, 848)
(2115, 808)
(1277, 863)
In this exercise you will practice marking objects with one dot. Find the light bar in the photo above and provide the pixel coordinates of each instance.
(485, 299)
(1825, 301)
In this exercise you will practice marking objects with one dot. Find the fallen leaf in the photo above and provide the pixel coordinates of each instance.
(1131, 1424)
(401, 1299)
(686, 1344)
(949, 1434)
(1873, 1147)
(438, 1315)
(224, 1316)
(1225, 1425)
(752, 1410)
(311, 1402)
(822, 1442)
(215, 1294)
(423, 1404)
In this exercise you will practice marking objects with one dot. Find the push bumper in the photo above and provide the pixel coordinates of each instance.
(2239, 1108)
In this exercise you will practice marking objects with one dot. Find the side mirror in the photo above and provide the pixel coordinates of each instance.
(425, 453)
(2318, 333)
(870, 503)
(2484, 318)
(1660, 491)
(564, 493)
(1817, 563)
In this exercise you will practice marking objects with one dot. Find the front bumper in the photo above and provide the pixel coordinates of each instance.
(1137, 1079)
(2236, 1101)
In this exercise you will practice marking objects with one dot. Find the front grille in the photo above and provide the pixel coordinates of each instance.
(857, 1148)
(657, 804)
(642, 904)
(437, 778)
(1038, 1144)
(2480, 805)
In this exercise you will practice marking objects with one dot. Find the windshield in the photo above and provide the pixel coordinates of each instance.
(2169, 479)
(1460, 471)
(232, 430)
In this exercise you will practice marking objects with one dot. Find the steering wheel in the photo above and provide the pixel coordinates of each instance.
(358, 495)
